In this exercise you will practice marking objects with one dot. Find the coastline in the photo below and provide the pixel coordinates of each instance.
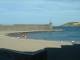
(26, 44)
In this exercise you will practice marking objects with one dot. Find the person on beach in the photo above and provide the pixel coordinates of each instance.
(18, 37)
(73, 41)
(23, 36)
(61, 41)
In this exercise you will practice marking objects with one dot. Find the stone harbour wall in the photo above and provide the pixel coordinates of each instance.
(26, 27)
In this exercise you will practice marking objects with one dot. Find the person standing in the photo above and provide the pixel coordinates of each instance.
(61, 41)
(23, 36)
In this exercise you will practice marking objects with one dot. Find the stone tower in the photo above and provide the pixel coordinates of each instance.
(50, 25)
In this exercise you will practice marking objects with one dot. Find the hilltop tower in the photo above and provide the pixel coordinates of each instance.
(50, 24)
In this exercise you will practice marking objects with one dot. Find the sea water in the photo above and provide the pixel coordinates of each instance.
(68, 34)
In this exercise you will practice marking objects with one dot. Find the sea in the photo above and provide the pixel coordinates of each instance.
(68, 34)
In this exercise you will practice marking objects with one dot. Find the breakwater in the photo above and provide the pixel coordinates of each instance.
(26, 27)
(29, 27)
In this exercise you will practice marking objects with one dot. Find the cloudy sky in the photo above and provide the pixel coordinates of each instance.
(39, 11)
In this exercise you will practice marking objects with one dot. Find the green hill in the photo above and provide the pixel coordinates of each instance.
(71, 24)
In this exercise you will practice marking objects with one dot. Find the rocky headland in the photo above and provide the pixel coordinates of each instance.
(71, 24)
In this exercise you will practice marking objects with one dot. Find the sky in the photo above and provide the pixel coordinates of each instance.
(39, 11)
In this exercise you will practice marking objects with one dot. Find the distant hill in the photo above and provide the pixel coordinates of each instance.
(71, 24)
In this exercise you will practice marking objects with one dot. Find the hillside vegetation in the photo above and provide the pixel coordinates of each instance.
(71, 24)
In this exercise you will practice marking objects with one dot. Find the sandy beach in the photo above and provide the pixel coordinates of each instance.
(31, 45)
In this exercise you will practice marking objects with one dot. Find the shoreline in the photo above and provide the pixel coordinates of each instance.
(26, 44)
(23, 33)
